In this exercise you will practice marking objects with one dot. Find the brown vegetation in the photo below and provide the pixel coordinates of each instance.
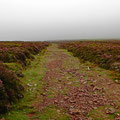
(14, 56)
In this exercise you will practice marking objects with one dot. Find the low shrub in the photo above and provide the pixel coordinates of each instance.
(20, 52)
(104, 53)
(14, 57)
(11, 88)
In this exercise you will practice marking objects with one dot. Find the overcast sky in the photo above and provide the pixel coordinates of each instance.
(59, 19)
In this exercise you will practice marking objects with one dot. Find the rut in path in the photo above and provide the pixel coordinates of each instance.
(76, 88)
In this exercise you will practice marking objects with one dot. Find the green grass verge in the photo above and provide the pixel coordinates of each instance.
(52, 113)
(100, 114)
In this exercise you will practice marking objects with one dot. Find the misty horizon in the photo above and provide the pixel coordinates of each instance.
(47, 20)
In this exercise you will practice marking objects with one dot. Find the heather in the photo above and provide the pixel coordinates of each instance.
(104, 53)
(19, 52)
(59, 86)
(14, 58)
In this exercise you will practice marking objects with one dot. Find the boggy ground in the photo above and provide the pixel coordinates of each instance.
(60, 87)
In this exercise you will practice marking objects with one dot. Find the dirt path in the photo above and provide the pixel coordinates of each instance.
(76, 91)
(70, 90)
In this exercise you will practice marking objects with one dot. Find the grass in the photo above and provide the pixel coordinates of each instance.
(109, 73)
(15, 67)
(99, 114)
(52, 112)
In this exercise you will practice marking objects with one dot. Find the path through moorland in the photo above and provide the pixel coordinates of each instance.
(63, 88)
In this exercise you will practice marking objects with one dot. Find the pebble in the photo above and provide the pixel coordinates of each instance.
(43, 94)
(88, 68)
(58, 111)
(110, 111)
(29, 85)
(116, 81)
(85, 82)
(90, 118)
(74, 111)
(69, 83)
(55, 101)
(66, 97)
(72, 101)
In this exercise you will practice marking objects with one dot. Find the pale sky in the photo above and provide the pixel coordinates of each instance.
(59, 19)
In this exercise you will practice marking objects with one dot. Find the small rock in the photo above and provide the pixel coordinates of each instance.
(69, 83)
(116, 81)
(71, 107)
(72, 101)
(74, 111)
(110, 111)
(118, 115)
(95, 94)
(55, 101)
(43, 94)
(96, 88)
(95, 108)
(84, 82)
(109, 83)
(61, 101)
(90, 118)
(66, 98)
(68, 77)
(29, 85)
(95, 81)
(90, 102)
(88, 68)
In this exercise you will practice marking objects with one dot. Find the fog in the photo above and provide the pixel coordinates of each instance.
(59, 19)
